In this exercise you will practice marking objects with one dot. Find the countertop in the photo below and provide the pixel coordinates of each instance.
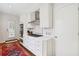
(44, 37)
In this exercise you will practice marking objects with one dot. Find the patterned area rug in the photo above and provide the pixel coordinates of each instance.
(13, 49)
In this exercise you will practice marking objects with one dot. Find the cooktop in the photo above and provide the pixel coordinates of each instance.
(36, 35)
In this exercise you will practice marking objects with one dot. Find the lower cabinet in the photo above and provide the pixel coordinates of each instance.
(40, 47)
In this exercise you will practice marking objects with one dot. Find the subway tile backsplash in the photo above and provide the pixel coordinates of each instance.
(42, 31)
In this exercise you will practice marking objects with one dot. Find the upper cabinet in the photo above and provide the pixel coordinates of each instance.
(46, 15)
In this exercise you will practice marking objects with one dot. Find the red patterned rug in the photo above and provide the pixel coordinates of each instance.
(13, 49)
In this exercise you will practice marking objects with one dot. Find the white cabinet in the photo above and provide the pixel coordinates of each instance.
(46, 15)
(39, 47)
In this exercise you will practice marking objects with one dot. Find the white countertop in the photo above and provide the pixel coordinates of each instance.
(45, 37)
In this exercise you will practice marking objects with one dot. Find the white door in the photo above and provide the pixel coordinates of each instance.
(66, 29)
(11, 29)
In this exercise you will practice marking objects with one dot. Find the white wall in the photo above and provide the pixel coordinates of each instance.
(46, 15)
(4, 19)
(65, 19)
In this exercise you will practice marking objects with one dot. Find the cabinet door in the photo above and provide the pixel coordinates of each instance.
(66, 30)
(25, 42)
(38, 47)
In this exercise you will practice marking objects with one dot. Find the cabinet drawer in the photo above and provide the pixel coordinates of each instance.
(38, 52)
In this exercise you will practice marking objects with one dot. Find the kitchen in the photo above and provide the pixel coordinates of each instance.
(56, 24)
(37, 31)
(46, 29)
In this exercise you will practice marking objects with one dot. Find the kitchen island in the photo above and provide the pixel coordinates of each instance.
(40, 46)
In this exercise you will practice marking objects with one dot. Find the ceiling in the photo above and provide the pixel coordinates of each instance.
(18, 8)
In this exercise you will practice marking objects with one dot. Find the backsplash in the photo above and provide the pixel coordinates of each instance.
(47, 31)
(42, 31)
